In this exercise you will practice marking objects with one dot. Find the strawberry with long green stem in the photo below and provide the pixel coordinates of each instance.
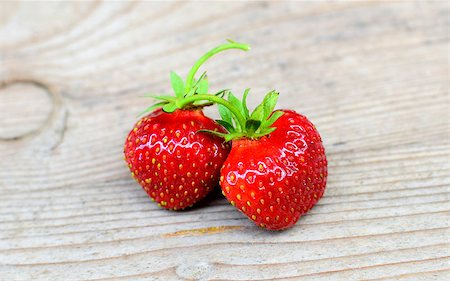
(167, 155)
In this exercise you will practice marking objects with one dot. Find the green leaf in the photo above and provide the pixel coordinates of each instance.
(269, 102)
(263, 111)
(190, 92)
(221, 93)
(274, 117)
(194, 88)
(252, 125)
(258, 113)
(170, 107)
(234, 136)
(234, 100)
(244, 103)
(236, 103)
(196, 82)
(228, 137)
(226, 125)
(177, 84)
(215, 133)
(153, 107)
(164, 98)
(203, 86)
(265, 132)
(225, 114)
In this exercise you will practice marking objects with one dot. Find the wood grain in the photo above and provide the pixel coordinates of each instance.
(372, 76)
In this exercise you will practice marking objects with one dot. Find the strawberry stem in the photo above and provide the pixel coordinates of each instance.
(215, 99)
(205, 57)
(191, 87)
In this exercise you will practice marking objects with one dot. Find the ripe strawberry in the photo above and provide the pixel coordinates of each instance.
(175, 163)
(272, 175)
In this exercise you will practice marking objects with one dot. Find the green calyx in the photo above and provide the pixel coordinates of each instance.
(185, 90)
(240, 123)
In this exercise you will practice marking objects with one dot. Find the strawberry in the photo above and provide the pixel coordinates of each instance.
(167, 155)
(174, 164)
(277, 169)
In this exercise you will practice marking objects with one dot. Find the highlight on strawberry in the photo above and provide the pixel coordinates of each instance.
(276, 170)
(167, 155)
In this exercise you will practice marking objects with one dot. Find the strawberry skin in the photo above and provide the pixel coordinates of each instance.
(279, 177)
(174, 163)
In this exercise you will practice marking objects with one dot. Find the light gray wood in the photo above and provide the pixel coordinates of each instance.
(372, 76)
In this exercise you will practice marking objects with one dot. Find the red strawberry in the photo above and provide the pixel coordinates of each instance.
(175, 163)
(273, 175)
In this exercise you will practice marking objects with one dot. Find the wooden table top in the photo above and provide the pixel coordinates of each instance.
(372, 76)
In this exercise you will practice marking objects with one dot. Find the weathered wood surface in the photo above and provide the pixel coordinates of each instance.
(373, 77)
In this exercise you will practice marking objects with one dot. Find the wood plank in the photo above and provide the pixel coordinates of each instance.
(372, 76)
